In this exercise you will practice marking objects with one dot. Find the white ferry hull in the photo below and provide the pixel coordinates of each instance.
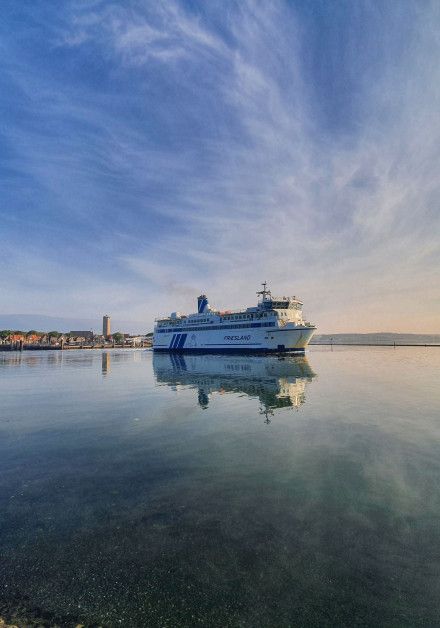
(289, 339)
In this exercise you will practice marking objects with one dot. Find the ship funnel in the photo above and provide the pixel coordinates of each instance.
(203, 305)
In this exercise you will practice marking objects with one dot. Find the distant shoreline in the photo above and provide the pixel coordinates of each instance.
(373, 339)
(37, 347)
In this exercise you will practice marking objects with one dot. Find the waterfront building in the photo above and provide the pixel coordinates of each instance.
(17, 337)
(133, 341)
(87, 335)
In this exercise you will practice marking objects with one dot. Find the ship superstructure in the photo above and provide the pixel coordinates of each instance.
(275, 324)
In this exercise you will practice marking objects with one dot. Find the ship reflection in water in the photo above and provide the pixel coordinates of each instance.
(277, 382)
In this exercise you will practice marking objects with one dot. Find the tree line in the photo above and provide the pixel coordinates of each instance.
(4, 333)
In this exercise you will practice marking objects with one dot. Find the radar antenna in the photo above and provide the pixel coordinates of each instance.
(264, 293)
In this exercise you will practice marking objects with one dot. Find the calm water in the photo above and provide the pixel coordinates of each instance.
(216, 491)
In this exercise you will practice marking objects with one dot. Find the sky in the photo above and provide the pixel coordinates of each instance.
(153, 151)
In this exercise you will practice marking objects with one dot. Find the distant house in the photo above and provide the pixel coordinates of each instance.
(25, 338)
(16, 337)
(32, 339)
(78, 339)
(46, 339)
(85, 335)
(133, 341)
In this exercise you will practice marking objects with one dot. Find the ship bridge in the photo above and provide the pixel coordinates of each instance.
(268, 302)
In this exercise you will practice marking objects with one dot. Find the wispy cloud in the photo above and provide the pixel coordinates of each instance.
(199, 149)
(162, 32)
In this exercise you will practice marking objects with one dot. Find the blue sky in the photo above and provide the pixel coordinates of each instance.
(150, 151)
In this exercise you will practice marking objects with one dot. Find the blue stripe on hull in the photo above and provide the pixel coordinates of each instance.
(175, 341)
(243, 349)
(181, 341)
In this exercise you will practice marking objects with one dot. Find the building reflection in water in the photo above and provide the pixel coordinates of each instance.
(105, 362)
(277, 381)
(31, 358)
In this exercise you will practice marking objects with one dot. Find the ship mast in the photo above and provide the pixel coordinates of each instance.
(264, 293)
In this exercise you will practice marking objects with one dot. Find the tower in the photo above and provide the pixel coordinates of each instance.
(106, 325)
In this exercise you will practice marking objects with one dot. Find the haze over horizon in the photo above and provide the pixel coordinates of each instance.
(154, 151)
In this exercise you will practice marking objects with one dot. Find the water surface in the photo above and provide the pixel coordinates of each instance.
(220, 491)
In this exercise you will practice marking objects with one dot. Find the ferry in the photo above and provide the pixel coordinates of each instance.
(274, 325)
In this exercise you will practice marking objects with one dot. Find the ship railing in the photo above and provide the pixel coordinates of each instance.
(167, 319)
